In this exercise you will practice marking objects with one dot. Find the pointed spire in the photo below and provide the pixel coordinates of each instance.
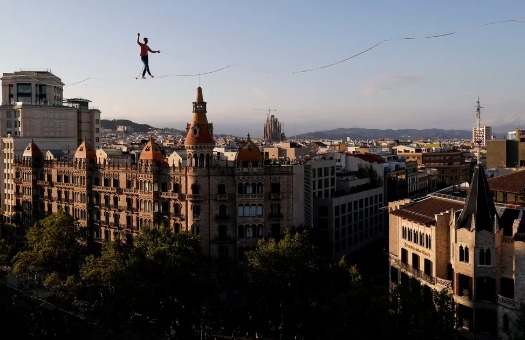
(199, 95)
(479, 204)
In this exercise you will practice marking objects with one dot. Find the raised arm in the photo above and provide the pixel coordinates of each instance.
(138, 37)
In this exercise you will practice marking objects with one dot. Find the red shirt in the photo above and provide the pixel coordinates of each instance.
(144, 48)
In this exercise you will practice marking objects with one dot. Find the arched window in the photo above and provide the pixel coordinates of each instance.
(253, 210)
(196, 230)
(240, 210)
(240, 231)
(222, 210)
(195, 188)
(482, 256)
(247, 210)
(416, 237)
(461, 254)
(506, 322)
(259, 188)
(487, 257)
(176, 228)
(249, 231)
(176, 187)
(260, 230)
(466, 255)
(196, 210)
(240, 188)
(259, 210)
(221, 189)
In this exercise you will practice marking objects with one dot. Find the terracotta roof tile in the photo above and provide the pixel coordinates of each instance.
(424, 211)
(513, 182)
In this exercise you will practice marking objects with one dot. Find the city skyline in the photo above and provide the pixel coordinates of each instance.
(408, 65)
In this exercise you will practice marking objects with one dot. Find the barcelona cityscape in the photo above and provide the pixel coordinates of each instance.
(263, 179)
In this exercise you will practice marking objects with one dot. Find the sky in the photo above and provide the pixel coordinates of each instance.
(315, 65)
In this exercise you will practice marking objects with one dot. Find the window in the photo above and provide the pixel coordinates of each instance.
(482, 256)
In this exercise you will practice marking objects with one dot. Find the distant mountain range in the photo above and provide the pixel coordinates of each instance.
(401, 134)
(340, 133)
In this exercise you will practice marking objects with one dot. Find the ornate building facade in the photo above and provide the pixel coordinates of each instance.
(469, 246)
(230, 207)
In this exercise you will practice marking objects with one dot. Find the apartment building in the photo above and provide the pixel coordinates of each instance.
(33, 109)
(461, 242)
(231, 206)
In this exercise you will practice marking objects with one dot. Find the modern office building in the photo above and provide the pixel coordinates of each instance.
(33, 109)
(481, 135)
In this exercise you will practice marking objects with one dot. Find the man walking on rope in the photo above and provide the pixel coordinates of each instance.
(144, 48)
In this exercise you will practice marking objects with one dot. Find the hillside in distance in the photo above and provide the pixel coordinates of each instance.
(113, 123)
(401, 134)
(340, 133)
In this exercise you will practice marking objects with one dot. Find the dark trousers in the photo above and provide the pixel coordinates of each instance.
(146, 66)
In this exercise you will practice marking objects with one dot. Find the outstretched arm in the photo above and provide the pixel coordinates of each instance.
(138, 36)
(153, 51)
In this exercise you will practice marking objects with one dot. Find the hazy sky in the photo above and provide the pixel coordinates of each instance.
(314, 62)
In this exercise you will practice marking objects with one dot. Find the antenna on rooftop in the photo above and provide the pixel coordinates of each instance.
(477, 135)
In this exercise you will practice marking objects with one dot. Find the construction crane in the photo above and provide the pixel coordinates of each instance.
(268, 109)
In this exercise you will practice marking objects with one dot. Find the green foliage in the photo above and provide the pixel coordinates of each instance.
(419, 314)
(276, 267)
(368, 171)
(154, 288)
(6, 253)
(54, 246)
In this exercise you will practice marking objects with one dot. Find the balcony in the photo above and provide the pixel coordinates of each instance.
(195, 197)
(179, 217)
(44, 183)
(174, 195)
(508, 302)
(105, 189)
(130, 191)
(64, 185)
(250, 196)
(222, 197)
(419, 274)
(275, 195)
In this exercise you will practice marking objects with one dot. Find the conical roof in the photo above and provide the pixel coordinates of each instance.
(479, 204)
(249, 151)
(85, 151)
(151, 152)
(33, 151)
(199, 131)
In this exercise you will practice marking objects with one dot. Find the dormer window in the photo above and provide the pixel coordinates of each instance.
(195, 131)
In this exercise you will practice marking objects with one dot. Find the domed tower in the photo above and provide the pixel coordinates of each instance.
(199, 142)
